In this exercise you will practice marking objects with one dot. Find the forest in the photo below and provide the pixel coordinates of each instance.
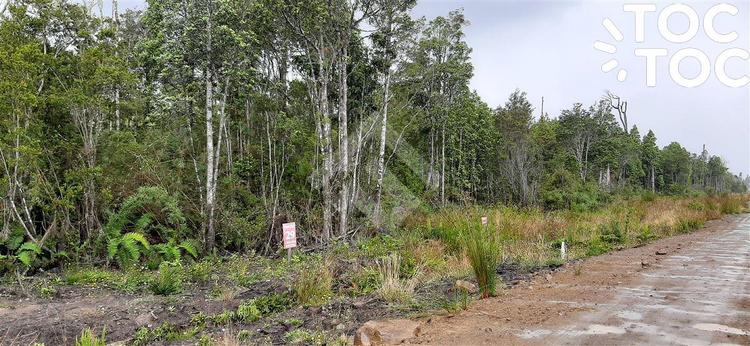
(189, 132)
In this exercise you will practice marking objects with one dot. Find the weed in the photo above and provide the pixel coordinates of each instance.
(200, 272)
(306, 337)
(364, 280)
(314, 284)
(483, 250)
(169, 280)
(294, 322)
(392, 287)
(248, 312)
(47, 292)
(88, 338)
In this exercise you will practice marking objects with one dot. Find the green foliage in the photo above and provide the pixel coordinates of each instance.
(314, 285)
(88, 338)
(27, 253)
(169, 280)
(151, 211)
(483, 249)
(305, 337)
(127, 249)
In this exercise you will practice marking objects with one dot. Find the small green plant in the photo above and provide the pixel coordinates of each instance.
(248, 312)
(47, 292)
(645, 235)
(314, 285)
(200, 272)
(169, 280)
(88, 338)
(127, 249)
(306, 337)
(294, 322)
(28, 253)
(483, 249)
(597, 247)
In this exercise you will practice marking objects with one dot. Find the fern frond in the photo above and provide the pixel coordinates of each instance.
(29, 246)
(189, 247)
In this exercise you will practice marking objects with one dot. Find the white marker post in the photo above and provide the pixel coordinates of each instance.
(290, 238)
(563, 250)
(485, 221)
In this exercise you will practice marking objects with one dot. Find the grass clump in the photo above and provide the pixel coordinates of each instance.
(88, 338)
(169, 280)
(305, 337)
(483, 249)
(314, 285)
(392, 287)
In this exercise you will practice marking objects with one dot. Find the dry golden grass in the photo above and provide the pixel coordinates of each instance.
(529, 236)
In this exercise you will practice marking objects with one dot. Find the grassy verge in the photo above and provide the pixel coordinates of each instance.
(408, 271)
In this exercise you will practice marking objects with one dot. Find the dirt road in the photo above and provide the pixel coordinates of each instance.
(686, 290)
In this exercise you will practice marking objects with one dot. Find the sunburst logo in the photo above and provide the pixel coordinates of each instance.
(653, 56)
(611, 64)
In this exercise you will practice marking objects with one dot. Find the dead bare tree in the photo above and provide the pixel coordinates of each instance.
(621, 106)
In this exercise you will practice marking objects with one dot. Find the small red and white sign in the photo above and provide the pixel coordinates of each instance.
(484, 221)
(290, 235)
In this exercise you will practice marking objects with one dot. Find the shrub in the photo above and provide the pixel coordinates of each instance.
(169, 280)
(88, 338)
(314, 285)
(392, 287)
(483, 249)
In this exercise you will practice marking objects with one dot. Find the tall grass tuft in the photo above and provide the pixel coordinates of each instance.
(483, 249)
(169, 280)
(392, 287)
(314, 286)
(88, 338)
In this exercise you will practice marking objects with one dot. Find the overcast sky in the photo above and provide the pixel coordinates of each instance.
(546, 49)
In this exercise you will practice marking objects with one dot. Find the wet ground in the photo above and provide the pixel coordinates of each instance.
(686, 290)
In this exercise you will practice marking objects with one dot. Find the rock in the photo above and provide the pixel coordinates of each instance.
(144, 319)
(645, 264)
(661, 252)
(359, 304)
(467, 286)
(386, 332)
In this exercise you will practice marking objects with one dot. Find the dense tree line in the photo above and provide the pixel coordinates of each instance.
(216, 121)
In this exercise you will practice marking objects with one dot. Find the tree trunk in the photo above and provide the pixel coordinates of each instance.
(381, 152)
(343, 144)
(210, 196)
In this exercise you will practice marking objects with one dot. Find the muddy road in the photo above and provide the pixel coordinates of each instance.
(690, 289)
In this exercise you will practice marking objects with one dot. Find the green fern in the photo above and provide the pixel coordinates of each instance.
(27, 253)
(189, 247)
(128, 249)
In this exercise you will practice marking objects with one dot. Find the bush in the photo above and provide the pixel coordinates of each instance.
(483, 249)
(88, 338)
(314, 285)
(169, 280)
